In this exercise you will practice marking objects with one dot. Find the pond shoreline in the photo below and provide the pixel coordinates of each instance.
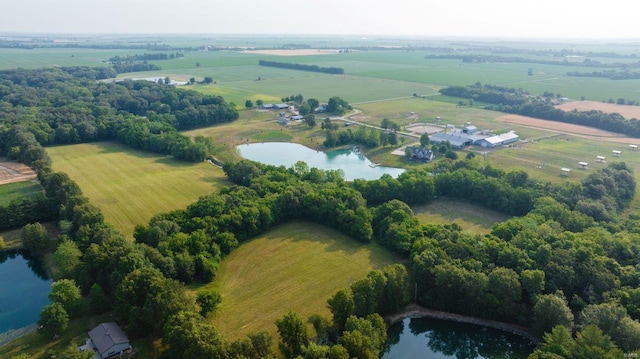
(416, 311)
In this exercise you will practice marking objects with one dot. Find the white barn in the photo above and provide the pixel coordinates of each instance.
(499, 140)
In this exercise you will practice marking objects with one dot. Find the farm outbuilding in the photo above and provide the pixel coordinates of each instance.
(499, 140)
(616, 153)
(601, 159)
(633, 147)
(565, 171)
(456, 139)
(583, 165)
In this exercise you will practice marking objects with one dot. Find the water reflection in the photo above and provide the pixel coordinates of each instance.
(32, 261)
(435, 338)
(351, 161)
(24, 289)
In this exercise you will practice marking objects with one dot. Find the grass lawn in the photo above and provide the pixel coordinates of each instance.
(130, 186)
(470, 217)
(17, 191)
(295, 267)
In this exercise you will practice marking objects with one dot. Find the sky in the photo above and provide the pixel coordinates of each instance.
(618, 19)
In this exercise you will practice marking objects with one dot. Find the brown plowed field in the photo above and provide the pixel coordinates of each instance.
(15, 172)
(626, 111)
(567, 128)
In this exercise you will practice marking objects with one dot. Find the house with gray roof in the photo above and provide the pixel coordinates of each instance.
(419, 153)
(107, 340)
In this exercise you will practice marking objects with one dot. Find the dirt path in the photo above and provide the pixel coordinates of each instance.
(416, 311)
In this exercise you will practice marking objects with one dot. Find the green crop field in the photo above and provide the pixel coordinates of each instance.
(131, 186)
(17, 191)
(294, 267)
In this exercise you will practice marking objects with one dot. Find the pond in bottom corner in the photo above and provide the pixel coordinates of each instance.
(443, 339)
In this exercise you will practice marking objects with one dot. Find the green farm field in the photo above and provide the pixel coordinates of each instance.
(17, 191)
(294, 267)
(130, 186)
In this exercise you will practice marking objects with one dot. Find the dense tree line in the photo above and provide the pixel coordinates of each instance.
(609, 74)
(146, 57)
(587, 62)
(124, 67)
(487, 93)
(63, 106)
(302, 67)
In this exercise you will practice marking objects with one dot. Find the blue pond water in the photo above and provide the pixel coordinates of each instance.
(24, 288)
(351, 161)
(441, 339)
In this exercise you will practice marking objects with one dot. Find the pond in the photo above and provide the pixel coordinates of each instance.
(24, 290)
(351, 161)
(440, 339)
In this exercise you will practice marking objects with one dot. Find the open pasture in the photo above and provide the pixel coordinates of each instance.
(543, 158)
(18, 190)
(130, 186)
(294, 267)
(470, 217)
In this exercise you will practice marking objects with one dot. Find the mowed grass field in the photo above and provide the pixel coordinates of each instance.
(17, 191)
(470, 217)
(294, 267)
(130, 186)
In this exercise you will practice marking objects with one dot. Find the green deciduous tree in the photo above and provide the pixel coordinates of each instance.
(614, 321)
(98, 301)
(145, 299)
(208, 301)
(34, 237)
(67, 258)
(424, 140)
(189, 337)
(67, 293)
(293, 335)
(53, 320)
(551, 310)
(341, 306)
(364, 337)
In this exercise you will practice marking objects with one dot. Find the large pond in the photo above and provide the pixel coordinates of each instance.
(439, 339)
(351, 161)
(24, 290)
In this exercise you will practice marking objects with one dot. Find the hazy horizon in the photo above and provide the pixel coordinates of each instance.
(502, 19)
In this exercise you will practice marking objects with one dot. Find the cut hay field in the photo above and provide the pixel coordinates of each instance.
(294, 267)
(130, 186)
(469, 216)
